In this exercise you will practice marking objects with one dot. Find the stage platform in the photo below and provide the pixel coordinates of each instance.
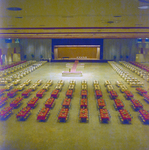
(73, 72)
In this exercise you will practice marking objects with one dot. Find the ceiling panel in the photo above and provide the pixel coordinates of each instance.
(64, 17)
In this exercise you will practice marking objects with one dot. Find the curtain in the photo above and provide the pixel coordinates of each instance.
(35, 47)
(122, 49)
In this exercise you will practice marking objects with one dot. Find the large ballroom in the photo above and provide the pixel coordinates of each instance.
(74, 75)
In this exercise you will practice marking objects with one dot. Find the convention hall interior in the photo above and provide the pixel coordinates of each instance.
(74, 74)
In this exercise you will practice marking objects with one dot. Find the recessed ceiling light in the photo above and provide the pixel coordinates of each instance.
(114, 21)
(117, 16)
(143, 7)
(19, 17)
(110, 22)
(14, 8)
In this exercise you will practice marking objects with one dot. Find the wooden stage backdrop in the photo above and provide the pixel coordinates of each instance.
(81, 52)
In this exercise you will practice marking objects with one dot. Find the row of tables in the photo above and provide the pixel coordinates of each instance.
(49, 104)
(136, 69)
(17, 101)
(125, 116)
(44, 112)
(64, 111)
(136, 104)
(104, 115)
(3, 67)
(84, 112)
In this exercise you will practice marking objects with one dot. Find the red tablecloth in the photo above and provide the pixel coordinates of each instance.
(66, 103)
(98, 93)
(3, 100)
(128, 94)
(83, 103)
(84, 93)
(2, 91)
(136, 104)
(69, 93)
(119, 104)
(49, 102)
(113, 94)
(101, 103)
(104, 115)
(26, 92)
(12, 92)
(16, 102)
(141, 91)
(23, 112)
(33, 102)
(144, 114)
(125, 115)
(83, 113)
(43, 114)
(40, 93)
(5, 111)
(63, 113)
(146, 96)
(54, 94)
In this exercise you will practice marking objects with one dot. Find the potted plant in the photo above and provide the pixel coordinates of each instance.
(41, 56)
(127, 57)
(32, 56)
(114, 57)
(25, 56)
(121, 56)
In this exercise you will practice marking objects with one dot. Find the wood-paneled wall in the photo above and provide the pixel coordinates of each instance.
(74, 52)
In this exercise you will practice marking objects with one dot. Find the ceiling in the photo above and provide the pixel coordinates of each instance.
(74, 19)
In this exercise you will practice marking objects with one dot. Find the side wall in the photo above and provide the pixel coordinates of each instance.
(44, 47)
(118, 48)
(36, 47)
(10, 51)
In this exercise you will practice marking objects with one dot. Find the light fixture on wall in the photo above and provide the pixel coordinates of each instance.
(9, 40)
(139, 40)
(146, 40)
(17, 40)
